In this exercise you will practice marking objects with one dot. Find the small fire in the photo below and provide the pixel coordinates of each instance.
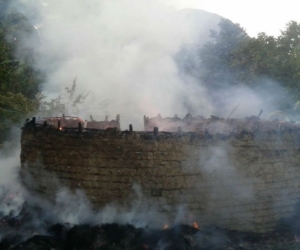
(195, 225)
(60, 128)
(166, 226)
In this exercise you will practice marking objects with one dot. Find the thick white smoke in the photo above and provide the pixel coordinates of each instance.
(11, 192)
(121, 51)
(74, 208)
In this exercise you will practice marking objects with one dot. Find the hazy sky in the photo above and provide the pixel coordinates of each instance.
(255, 16)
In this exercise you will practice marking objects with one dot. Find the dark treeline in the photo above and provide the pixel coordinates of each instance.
(232, 58)
(19, 81)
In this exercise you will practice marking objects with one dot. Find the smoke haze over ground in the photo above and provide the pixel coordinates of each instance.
(24, 214)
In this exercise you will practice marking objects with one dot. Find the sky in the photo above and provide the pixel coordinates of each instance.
(255, 16)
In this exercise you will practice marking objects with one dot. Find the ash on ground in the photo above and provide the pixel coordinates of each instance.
(27, 231)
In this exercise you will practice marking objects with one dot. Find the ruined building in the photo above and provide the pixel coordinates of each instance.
(240, 174)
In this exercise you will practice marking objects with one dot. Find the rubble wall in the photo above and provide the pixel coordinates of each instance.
(244, 182)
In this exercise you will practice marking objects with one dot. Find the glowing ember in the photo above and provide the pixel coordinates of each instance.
(166, 226)
(195, 225)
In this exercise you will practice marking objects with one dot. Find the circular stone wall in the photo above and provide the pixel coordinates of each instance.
(244, 182)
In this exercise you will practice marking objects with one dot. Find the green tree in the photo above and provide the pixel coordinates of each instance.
(256, 57)
(19, 81)
(16, 72)
(217, 68)
(289, 53)
(233, 58)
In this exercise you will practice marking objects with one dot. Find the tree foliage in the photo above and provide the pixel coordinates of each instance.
(217, 56)
(14, 106)
(16, 72)
(19, 81)
(68, 102)
(233, 58)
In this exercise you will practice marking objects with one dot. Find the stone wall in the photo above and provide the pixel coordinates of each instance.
(244, 181)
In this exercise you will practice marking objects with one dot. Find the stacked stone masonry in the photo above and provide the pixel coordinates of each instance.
(245, 182)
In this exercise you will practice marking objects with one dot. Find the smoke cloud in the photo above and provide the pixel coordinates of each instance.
(122, 52)
(11, 192)
(128, 56)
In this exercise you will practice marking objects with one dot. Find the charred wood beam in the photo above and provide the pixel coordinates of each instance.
(79, 127)
(155, 131)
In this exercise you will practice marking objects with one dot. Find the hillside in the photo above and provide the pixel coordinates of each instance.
(201, 22)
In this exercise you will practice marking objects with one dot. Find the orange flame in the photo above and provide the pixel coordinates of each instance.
(195, 225)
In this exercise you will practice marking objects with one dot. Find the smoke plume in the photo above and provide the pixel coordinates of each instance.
(121, 52)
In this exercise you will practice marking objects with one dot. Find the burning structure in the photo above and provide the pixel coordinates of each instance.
(69, 122)
(104, 124)
(187, 124)
(234, 173)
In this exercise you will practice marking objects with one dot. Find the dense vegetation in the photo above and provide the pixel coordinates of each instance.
(19, 81)
(233, 58)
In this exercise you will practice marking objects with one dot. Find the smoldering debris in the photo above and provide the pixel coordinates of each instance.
(215, 124)
(36, 228)
(126, 236)
(32, 228)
